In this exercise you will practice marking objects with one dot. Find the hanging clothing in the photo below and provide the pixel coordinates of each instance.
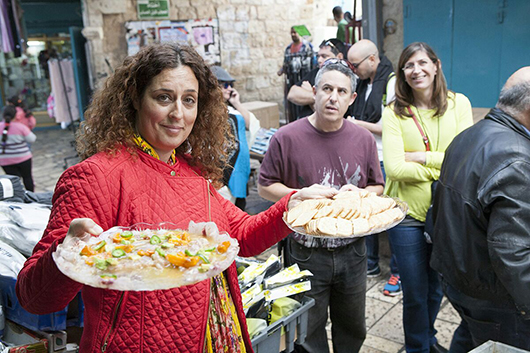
(5, 28)
(64, 90)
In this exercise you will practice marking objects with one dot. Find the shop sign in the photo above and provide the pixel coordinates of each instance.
(153, 9)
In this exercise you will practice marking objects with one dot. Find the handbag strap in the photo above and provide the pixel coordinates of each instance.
(423, 136)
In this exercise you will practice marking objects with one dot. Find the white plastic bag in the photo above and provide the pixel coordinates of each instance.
(11, 261)
(29, 216)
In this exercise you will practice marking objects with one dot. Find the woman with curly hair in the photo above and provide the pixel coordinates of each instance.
(152, 146)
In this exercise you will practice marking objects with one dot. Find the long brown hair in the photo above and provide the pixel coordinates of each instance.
(110, 118)
(404, 95)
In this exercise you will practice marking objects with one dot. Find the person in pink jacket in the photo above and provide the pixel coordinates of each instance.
(153, 149)
(15, 155)
(23, 116)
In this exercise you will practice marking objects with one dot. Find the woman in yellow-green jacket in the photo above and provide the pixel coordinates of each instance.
(417, 128)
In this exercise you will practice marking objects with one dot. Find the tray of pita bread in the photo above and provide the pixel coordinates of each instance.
(348, 214)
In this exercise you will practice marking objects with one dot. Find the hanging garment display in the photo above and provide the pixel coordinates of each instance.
(64, 90)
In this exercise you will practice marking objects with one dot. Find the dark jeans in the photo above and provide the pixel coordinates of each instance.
(372, 246)
(372, 254)
(484, 320)
(338, 283)
(22, 170)
(422, 291)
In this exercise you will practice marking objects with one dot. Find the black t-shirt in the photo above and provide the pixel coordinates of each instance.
(305, 110)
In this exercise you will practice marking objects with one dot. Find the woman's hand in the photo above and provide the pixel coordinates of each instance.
(315, 191)
(416, 157)
(81, 226)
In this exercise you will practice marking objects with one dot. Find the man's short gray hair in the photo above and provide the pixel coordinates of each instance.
(515, 100)
(340, 68)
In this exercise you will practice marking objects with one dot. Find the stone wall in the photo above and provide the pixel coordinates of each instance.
(253, 35)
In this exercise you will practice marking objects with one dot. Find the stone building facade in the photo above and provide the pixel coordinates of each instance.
(254, 34)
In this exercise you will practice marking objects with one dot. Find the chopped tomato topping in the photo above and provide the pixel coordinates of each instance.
(126, 248)
(223, 247)
(87, 251)
(145, 252)
(191, 261)
(176, 259)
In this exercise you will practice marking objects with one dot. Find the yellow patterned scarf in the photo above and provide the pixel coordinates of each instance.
(147, 148)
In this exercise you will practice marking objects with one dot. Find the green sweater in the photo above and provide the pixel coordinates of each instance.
(410, 181)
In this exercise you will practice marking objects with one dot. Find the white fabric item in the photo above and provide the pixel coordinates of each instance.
(60, 96)
(253, 128)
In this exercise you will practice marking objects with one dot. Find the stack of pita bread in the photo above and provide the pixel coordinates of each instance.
(349, 213)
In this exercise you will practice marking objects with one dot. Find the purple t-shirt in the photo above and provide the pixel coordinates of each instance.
(299, 155)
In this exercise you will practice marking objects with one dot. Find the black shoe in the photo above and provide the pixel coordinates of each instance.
(436, 348)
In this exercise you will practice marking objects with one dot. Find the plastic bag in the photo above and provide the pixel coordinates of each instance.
(29, 216)
(23, 240)
(11, 261)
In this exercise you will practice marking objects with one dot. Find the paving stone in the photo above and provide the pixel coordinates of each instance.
(377, 344)
(375, 310)
(390, 326)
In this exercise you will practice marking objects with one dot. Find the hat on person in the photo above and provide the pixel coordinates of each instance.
(221, 74)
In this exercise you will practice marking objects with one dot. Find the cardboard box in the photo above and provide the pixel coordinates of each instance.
(267, 113)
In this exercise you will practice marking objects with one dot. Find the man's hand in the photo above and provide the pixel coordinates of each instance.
(349, 187)
(417, 157)
(234, 98)
(315, 191)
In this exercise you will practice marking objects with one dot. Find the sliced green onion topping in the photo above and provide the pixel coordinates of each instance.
(99, 245)
(126, 234)
(155, 239)
(118, 253)
(108, 275)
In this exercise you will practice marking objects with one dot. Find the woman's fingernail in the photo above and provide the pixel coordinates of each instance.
(97, 229)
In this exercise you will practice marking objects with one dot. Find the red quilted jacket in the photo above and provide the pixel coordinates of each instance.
(124, 190)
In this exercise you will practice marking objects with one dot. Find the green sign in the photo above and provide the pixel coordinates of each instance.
(153, 9)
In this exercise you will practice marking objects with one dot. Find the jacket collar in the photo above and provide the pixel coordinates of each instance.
(507, 120)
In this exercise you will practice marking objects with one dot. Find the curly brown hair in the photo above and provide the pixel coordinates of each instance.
(110, 118)
(404, 94)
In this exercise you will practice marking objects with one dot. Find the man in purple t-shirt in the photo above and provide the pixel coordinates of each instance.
(326, 149)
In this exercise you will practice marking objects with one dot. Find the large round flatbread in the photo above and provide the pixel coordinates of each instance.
(349, 214)
(147, 257)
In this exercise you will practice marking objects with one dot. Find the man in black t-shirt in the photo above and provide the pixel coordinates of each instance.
(301, 93)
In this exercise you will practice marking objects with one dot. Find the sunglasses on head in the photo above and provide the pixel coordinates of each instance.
(225, 84)
(338, 61)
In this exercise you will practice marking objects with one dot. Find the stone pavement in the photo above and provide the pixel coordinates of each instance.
(383, 314)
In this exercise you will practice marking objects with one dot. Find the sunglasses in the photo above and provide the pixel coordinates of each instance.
(338, 61)
(356, 65)
(225, 85)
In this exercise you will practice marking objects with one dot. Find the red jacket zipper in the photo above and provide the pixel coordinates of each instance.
(115, 318)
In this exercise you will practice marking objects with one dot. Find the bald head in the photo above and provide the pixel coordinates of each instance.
(361, 49)
(520, 76)
(364, 57)
(515, 96)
